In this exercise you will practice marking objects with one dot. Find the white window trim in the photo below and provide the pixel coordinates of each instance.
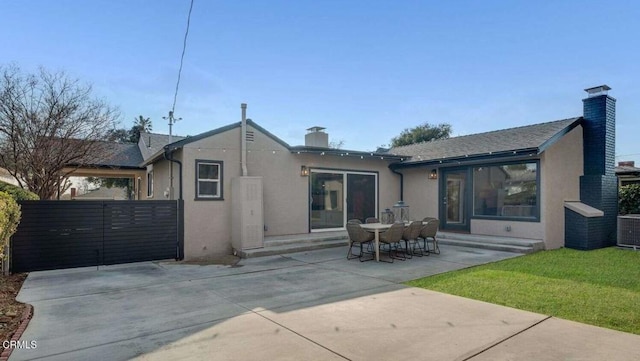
(150, 184)
(219, 180)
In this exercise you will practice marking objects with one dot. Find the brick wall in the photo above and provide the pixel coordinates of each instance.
(598, 185)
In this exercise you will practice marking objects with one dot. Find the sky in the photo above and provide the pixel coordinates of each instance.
(364, 70)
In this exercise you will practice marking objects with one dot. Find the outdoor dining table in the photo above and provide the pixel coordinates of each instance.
(376, 228)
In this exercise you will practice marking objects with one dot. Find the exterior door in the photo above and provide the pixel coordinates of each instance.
(454, 207)
(337, 196)
(327, 201)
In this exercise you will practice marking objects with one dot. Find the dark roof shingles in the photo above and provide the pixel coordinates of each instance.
(520, 138)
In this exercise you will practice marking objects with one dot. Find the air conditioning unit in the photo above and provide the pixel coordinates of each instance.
(629, 231)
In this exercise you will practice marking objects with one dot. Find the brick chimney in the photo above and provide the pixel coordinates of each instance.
(599, 185)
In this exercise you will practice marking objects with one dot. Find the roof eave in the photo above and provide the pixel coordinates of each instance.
(345, 153)
(468, 159)
(556, 137)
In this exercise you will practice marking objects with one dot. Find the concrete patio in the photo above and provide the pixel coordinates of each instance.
(302, 306)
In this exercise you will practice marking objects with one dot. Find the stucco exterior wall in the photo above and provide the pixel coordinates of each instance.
(207, 223)
(515, 229)
(285, 191)
(562, 166)
(161, 179)
(420, 193)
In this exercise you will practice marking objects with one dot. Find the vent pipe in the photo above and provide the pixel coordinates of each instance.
(243, 140)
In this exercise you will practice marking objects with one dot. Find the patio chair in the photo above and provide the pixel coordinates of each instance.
(355, 221)
(371, 220)
(392, 238)
(428, 233)
(410, 237)
(358, 237)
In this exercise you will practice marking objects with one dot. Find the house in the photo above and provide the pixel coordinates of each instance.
(627, 173)
(113, 160)
(287, 189)
(553, 182)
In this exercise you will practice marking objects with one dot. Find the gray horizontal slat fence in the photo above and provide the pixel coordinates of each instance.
(66, 234)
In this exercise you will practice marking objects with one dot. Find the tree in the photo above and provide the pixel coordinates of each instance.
(49, 127)
(422, 133)
(141, 124)
(132, 135)
(629, 199)
(336, 144)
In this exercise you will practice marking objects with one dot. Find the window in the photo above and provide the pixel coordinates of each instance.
(509, 191)
(208, 179)
(150, 184)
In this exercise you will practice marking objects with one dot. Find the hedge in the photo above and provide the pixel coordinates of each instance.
(629, 199)
(9, 219)
(18, 193)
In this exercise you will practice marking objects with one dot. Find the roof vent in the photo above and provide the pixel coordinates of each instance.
(316, 137)
(598, 90)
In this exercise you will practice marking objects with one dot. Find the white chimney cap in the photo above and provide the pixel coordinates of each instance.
(602, 89)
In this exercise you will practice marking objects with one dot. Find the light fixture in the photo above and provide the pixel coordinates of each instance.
(304, 171)
(433, 174)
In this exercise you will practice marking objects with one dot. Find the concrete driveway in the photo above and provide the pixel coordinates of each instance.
(305, 306)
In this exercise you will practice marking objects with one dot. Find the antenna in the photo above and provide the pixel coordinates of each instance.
(172, 120)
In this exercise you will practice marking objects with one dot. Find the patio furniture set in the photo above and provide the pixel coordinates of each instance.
(400, 240)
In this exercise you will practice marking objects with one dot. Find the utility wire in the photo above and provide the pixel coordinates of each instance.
(184, 48)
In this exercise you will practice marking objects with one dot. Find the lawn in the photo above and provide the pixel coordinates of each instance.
(600, 287)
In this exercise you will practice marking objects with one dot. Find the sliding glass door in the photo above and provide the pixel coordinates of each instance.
(337, 196)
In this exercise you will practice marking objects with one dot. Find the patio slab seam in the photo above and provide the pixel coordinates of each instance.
(259, 313)
(471, 357)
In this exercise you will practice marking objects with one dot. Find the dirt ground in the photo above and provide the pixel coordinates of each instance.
(10, 309)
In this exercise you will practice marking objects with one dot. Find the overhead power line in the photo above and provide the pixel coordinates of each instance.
(184, 48)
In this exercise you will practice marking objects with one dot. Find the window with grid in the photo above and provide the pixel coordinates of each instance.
(208, 179)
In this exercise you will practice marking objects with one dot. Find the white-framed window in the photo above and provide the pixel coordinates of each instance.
(150, 184)
(208, 180)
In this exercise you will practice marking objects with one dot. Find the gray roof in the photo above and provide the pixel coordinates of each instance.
(152, 143)
(536, 137)
(627, 170)
(114, 155)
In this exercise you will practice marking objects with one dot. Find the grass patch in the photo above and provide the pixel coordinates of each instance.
(600, 287)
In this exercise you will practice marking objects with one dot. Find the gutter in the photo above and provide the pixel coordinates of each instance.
(169, 156)
(180, 215)
(401, 180)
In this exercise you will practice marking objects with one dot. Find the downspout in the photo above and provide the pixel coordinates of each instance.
(169, 156)
(392, 168)
(243, 140)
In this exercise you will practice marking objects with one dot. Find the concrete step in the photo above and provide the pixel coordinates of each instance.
(507, 244)
(312, 241)
(284, 245)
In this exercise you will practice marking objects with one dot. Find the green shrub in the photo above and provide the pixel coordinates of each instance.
(9, 219)
(629, 199)
(18, 193)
